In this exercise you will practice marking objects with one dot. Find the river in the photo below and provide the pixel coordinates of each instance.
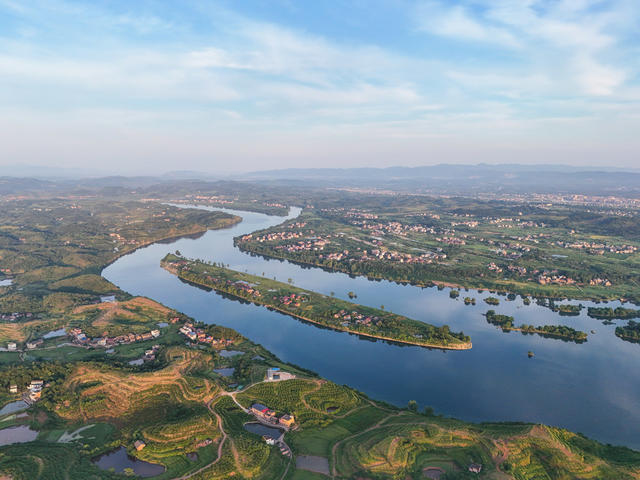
(593, 388)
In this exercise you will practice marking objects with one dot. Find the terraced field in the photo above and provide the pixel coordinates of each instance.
(120, 391)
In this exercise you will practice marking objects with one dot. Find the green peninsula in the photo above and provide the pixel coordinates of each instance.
(316, 308)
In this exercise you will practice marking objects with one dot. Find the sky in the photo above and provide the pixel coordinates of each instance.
(242, 85)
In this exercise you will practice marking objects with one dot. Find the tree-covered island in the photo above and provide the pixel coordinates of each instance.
(631, 332)
(558, 331)
(316, 308)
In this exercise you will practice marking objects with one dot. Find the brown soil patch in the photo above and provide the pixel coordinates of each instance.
(110, 310)
(121, 390)
(41, 417)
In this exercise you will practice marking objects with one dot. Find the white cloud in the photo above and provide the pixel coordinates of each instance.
(456, 22)
(563, 41)
(596, 78)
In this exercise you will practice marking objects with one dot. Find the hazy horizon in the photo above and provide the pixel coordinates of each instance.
(227, 87)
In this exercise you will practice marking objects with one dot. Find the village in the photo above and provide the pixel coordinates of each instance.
(198, 335)
(355, 317)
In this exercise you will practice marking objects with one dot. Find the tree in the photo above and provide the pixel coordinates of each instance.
(178, 253)
(412, 405)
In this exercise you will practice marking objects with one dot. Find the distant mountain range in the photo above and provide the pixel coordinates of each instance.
(435, 179)
(465, 179)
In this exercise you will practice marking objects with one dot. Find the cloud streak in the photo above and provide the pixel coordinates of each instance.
(469, 71)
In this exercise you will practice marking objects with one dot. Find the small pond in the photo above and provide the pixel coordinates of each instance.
(230, 353)
(262, 430)
(225, 372)
(20, 434)
(119, 459)
(139, 361)
(13, 407)
(163, 324)
(6, 282)
(55, 333)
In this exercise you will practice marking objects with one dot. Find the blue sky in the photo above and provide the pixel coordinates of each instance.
(243, 85)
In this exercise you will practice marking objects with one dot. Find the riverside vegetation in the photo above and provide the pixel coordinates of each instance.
(314, 307)
(553, 331)
(523, 247)
(95, 400)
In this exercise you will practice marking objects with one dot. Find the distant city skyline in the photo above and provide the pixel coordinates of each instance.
(224, 86)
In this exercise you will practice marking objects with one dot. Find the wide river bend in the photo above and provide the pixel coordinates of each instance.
(593, 388)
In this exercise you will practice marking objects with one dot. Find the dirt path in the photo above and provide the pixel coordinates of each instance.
(220, 445)
(337, 444)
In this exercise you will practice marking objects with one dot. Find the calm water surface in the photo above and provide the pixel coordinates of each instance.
(260, 429)
(593, 388)
(13, 407)
(119, 460)
(20, 434)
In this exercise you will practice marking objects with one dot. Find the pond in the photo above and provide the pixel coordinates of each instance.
(263, 430)
(225, 372)
(593, 388)
(55, 333)
(139, 361)
(6, 282)
(120, 460)
(13, 407)
(19, 434)
(230, 353)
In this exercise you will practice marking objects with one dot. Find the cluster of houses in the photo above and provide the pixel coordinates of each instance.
(150, 354)
(292, 300)
(270, 237)
(34, 390)
(311, 244)
(554, 279)
(267, 415)
(198, 335)
(120, 239)
(13, 346)
(244, 287)
(394, 228)
(451, 240)
(13, 317)
(354, 317)
(350, 213)
(401, 257)
(81, 338)
(599, 248)
(517, 269)
(212, 199)
(603, 282)
(494, 268)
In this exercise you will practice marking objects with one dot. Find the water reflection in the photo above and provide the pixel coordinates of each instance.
(592, 387)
